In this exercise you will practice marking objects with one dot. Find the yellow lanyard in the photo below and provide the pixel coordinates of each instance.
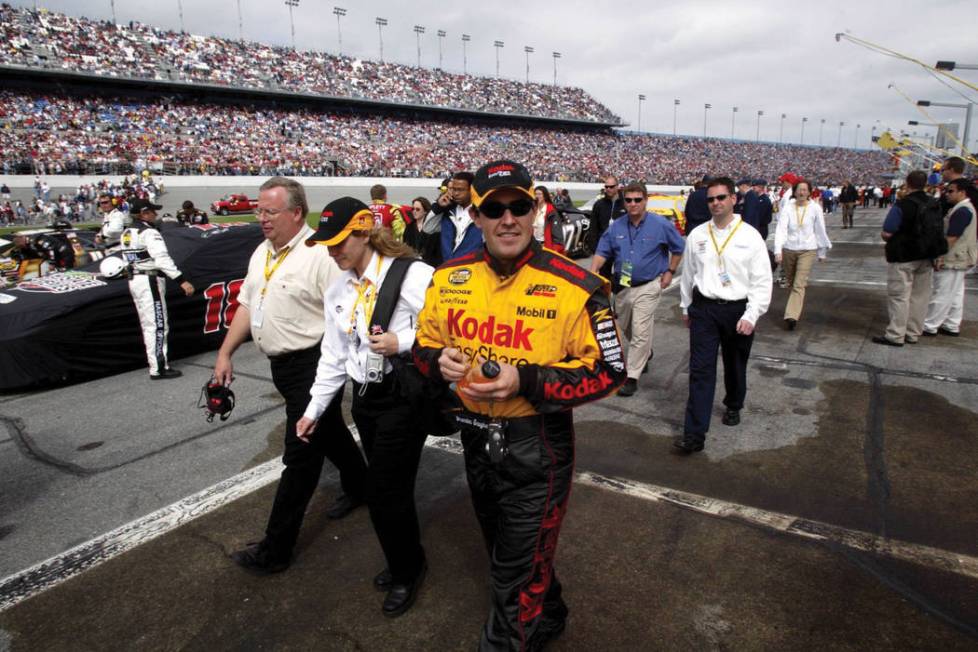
(801, 218)
(720, 249)
(367, 298)
(269, 272)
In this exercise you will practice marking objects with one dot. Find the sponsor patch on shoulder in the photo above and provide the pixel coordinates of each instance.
(460, 276)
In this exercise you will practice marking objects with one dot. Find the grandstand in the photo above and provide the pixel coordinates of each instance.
(185, 104)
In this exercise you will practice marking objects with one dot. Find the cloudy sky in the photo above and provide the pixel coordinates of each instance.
(764, 55)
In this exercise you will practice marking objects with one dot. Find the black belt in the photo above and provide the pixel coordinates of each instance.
(516, 428)
(698, 296)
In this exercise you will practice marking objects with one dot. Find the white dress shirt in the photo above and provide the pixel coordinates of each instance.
(345, 340)
(745, 264)
(801, 229)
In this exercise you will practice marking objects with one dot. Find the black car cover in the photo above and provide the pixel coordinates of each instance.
(75, 325)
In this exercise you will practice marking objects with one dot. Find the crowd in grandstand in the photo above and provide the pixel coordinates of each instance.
(43, 38)
(54, 134)
(79, 206)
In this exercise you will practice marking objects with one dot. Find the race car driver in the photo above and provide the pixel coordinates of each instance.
(143, 248)
(114, 221)
(188, 215)
(548, 324)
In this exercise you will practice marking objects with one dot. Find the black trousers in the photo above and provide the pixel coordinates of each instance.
(293, 375)
(393, 440)
(520, 504)
(713, 326)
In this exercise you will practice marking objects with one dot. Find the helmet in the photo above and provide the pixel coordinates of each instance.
(112, 267)
(216, 399)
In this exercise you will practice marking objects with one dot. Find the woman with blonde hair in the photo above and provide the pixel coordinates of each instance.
(357, 347)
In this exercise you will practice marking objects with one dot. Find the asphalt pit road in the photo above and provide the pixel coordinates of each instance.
(5, 530)
(767, 371)
(90, 446)
(801, 412)
(274, 446)
(799, 383)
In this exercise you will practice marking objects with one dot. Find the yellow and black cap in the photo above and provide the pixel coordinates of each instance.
(340, 218)
(498, 175)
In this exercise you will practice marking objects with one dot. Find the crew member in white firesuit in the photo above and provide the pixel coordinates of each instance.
(143, 248)
(114, 221)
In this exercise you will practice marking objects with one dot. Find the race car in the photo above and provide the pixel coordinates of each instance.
(76, 324)
(31, 253)
(234, 203)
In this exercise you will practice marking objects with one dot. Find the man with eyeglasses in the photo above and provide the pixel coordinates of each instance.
(450, 217)
(725, 288)
(281, 307)
(547, 325)
(114, 221)
(606, 210)
(645, 251)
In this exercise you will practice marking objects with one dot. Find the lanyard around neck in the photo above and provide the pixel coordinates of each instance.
(801, 218)
(367, 293)
(720, 249)
(269, 272)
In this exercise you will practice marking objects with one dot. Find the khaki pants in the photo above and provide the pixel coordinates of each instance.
(908, 288)
(635, 308)
(848, 209)
(946, 302)
(797, 266)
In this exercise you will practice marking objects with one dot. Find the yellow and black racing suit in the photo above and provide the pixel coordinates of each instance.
(552, 320)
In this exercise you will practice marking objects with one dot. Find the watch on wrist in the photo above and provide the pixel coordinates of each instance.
(672, 271)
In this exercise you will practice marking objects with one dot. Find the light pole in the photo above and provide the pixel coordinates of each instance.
(803, 121)
(465, 55)
(556, 56)
(112, 3)
(855, 140)
(292, 4)
(820, 127)
(441, 38)
(757, 136)
(240, 23)
(940, 127)
(675, 109)
(733, 118)
(967, 118)
(781, 129)
(528, 50)
(180, 11)
(418, 31)
(706, 107)
(951, 65)
(339, 12)
(381, 23)
(839, 142)
(498, 45)
(641, 98)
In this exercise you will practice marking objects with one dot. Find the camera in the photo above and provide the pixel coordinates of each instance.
(375, 368)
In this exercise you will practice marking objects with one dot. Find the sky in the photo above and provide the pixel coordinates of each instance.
(758, 56)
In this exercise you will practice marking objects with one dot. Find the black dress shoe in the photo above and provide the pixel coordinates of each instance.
(928, 333)
(731, 418)
(878, 339)
(166, 373)
(400, 597)
(791, 324)
(944, 331)
(342, 507)
(383, 580)
(629, 388)
(687, 446)
(257, 558)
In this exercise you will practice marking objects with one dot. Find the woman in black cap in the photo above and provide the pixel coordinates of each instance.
(355, 346)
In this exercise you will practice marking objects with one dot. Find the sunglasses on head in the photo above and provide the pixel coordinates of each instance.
(494, 209)
(710, 200)
(634, 200)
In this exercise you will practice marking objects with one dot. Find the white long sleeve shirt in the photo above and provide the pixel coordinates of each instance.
(802, 229)
(745, 267)
(347, 307)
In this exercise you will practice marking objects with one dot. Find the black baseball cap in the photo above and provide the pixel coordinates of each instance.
(759, 182)
(137, 206)
(744, 182)
(498, 175)
(340, 218)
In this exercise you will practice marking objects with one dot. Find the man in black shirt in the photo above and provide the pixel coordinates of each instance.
(605, 211)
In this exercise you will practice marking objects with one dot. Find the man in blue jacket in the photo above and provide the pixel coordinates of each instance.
(697, 212)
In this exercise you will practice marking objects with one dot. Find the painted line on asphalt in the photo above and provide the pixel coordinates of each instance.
(62, 567)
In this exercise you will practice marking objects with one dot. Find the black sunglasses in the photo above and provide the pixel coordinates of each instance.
(494, 209)
(634, 200)
(614, 185)
(710, 200)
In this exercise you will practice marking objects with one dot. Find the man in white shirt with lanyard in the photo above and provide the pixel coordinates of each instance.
(725, 287)
(281, 306)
